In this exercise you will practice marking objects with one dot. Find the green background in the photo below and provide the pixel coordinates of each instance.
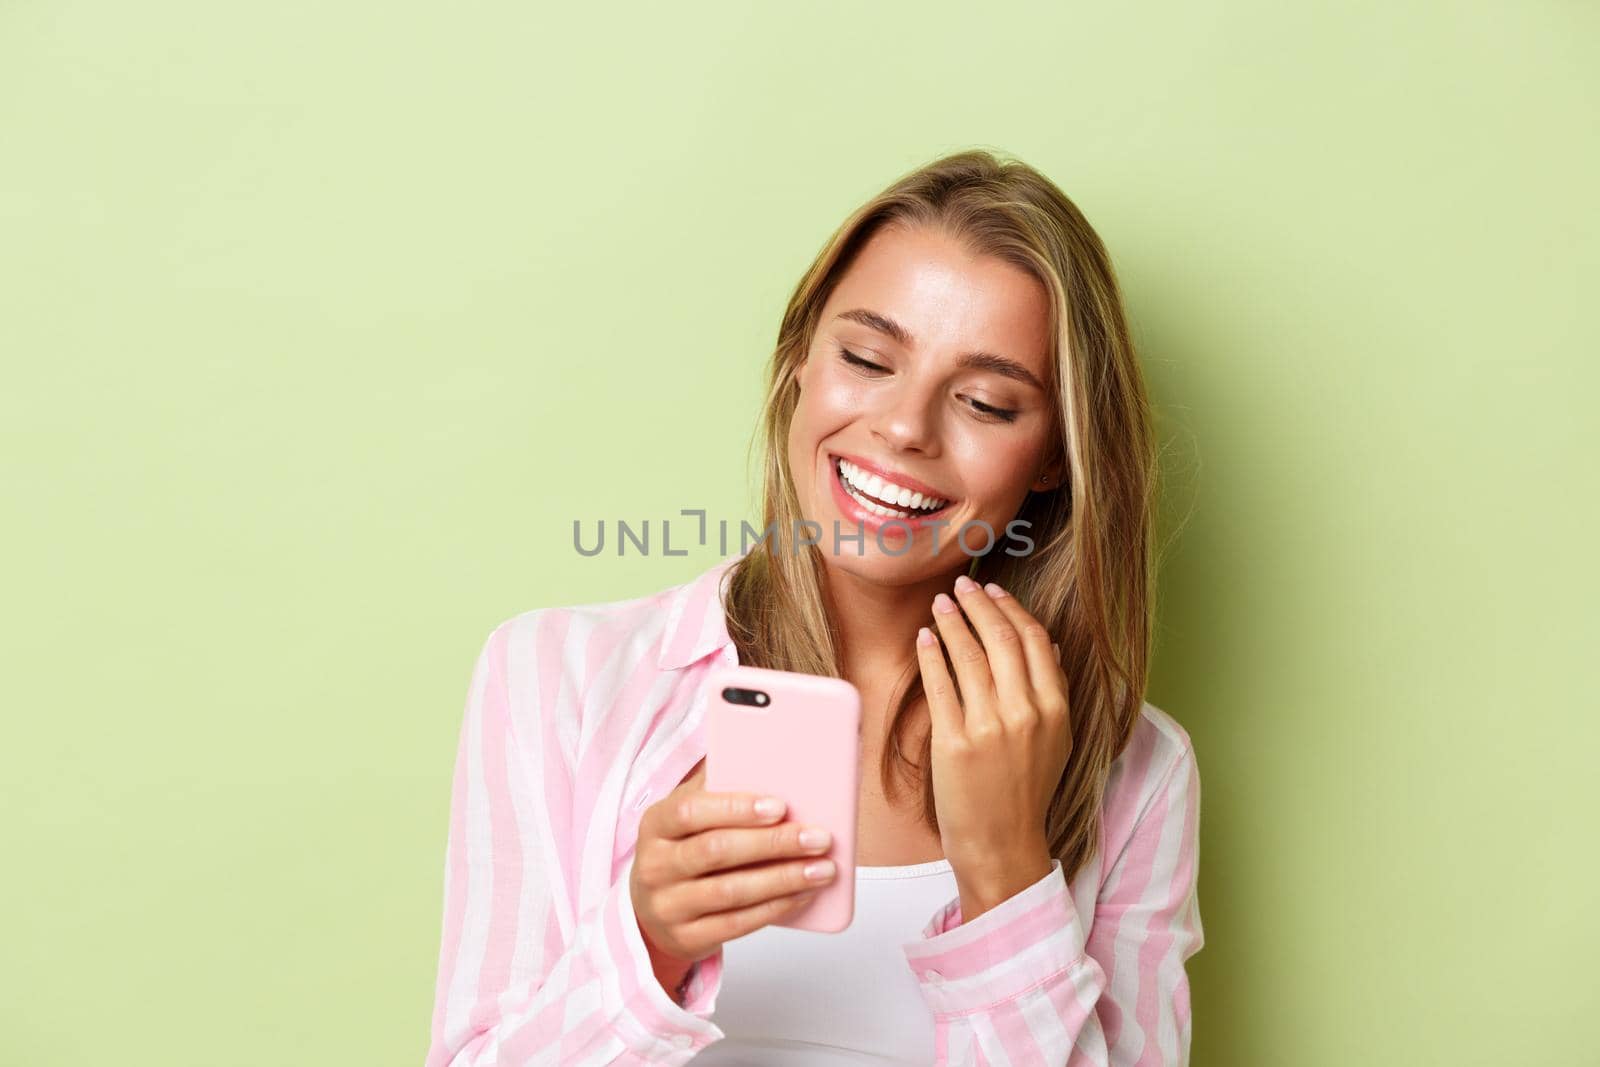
(322, 322)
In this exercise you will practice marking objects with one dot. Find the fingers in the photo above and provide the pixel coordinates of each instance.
(718, 927)
(1007, 667)
(694, 810)
(688, 902)
(720, 849)
(967, 656)
(944, 709)
(691, 909)
(1002, 642)
(1043, 657)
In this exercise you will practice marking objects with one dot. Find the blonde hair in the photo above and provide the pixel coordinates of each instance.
(1090, 577)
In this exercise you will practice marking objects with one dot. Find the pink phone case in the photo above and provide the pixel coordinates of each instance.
(804, 747)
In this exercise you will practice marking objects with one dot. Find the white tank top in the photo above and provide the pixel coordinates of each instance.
(798, 998)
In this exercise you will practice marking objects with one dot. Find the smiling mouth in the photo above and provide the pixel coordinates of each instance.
(885, 498)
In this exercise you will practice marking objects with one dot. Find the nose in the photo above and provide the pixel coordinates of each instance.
(908, 421)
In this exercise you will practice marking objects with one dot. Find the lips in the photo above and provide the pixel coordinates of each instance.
(866, 468)
(873, 513)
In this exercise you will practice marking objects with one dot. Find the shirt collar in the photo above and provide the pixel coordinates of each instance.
(696, 626)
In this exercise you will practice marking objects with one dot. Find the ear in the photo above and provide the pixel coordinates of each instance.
(1050, 478)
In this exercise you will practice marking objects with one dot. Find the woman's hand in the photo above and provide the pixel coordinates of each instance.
(709, 867)
(1001, 739)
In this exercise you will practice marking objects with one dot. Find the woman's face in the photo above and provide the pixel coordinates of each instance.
(891, 387)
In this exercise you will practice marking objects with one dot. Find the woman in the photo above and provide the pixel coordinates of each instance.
(956, 361)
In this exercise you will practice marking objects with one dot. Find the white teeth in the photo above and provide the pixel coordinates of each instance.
(858, 481)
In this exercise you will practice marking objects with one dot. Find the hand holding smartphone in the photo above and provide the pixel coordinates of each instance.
(704, 874)
(796, 737)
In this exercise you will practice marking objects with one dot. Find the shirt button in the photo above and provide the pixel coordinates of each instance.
(682, 1040)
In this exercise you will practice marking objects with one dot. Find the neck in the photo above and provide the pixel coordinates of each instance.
(877, 625)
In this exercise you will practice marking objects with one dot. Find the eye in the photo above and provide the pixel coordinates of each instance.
(986, 412)
(991, 413)
(856, 361)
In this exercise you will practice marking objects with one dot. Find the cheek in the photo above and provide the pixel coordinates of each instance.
(835, 400)
(1001, 472)
(828, 404)
(816, 418)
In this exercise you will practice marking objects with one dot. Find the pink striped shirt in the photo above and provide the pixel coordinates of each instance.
(578, 718)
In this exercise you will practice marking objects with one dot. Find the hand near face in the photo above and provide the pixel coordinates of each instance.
(1001, 737)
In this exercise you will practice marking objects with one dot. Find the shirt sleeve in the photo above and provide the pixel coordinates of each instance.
(1024, 983)
(522, 980)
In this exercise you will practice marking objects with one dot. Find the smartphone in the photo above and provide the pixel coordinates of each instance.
(796, 737)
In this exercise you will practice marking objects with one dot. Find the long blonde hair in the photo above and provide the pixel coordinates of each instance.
(1090, 576)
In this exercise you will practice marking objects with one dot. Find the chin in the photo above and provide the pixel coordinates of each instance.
(916, 564)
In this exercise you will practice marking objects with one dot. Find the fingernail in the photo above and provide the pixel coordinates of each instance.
(769, 807)
(820, 870)
(814, 838)
(943, 604)
(965, 584)
(924, 636)
(995, 591)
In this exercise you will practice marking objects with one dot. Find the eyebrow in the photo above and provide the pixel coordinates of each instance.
(986, 361)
